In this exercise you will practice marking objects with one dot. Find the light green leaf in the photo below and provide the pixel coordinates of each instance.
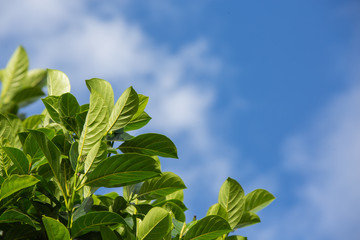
(12, 215)
(5, 127)
(55, 230)
(93, 220)
(143, 100)
(248, 219)
(257, 200)
(209, 227)
(96, 119)
(152, 144)
(18, 158)
(161, 186)
(96, 155)
(35, 78)
(231, 197)
(57, 82)
(33, 121)
(124, 109)
(138, 122)
(104, 89)
(107, 233)
(14, 75)
(176, 210)
(124, 169)
(16, 183)
(179, 195)
(2, 72)
(219, 210)
(27, 95)
(155, 225)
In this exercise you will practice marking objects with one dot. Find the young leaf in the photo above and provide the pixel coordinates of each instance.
(219, 210)
(156, 224)
(104, 89)
(152, 144)
(55, 230)
(257, 200)
(124, 169)
(231, 197)
(209, 227)
(96, 119)
(161, 186)
(93, 220)
(14, 75)
(18, 158)
(124, 109)
(57, 82)
(15, 183)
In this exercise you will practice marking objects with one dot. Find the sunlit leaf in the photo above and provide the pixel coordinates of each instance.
(258, 199)
(138, 122)
(16, 183)
(152, 144)
(156, 224)
(55, 230)
(18, 158)
(219, 210)
(57, 82)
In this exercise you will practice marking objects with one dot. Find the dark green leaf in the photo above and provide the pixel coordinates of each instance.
(122, 170)
(151, 144)
(55, 230)
(74, 154)
(107, 233)
(156, 224)
(118, 135)
(119, 204)
(209, 227)
(138, 122)
(84, 208)
(12, 215)
(92, 222)
(68, 108)
(52, 106)
(236, 238)
(161, 186)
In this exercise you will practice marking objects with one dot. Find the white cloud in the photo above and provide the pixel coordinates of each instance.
(328, 158)
(67, 36)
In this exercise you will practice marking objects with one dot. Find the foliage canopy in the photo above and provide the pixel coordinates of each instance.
(51, 165)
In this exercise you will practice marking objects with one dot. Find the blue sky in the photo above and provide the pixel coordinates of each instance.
(266, 92)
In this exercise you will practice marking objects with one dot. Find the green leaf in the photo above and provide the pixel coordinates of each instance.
(236, 237)
(209, 227)
(177, 211)
(68, 108)
(27, 95)
(118, 135)
(52, 154)
(143, 100)
(57, 82)
(35, 78)
(124, 109)
(74, 154)
(52, 106)
(12, 215)
(104, 89)
(33, 121)
(219, 210)
(95, 123)
(152, 144)
(179, 195)
(248, 219)
(5, 127)
(14, 75)
(16, 183)
(84, 208)
(156, 224)
(107, 233)
(124, 169)
(119, 204)
(161, 186)
(2, 72)
(55, 230)
(138, 122)
(93, 220)
(231, 197)
(32, 149)
(18, 158)
(257, 200)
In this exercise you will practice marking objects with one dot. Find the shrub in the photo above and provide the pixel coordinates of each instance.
(51, 165)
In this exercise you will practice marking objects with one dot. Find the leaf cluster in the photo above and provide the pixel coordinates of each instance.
(51, 165)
